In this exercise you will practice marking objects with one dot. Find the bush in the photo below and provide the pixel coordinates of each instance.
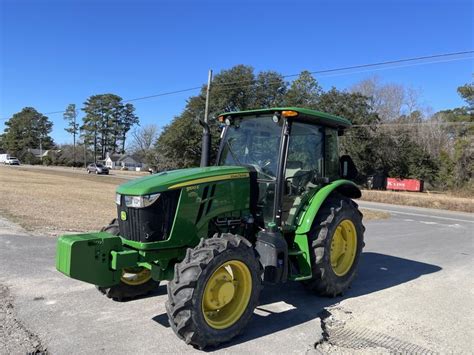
(28, 158)
(47, 161)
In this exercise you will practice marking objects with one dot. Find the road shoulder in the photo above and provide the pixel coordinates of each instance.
(15, 337)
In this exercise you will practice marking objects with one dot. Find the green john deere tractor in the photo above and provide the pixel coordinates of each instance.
(277, 206)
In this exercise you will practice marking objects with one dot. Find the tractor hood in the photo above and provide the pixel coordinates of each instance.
(175, 179)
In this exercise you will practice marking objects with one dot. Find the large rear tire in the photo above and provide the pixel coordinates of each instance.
(214, 291)
(134, 283)
(336, 240)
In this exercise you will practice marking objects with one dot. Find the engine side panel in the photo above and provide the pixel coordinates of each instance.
(198, 206)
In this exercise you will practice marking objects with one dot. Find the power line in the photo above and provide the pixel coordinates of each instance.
(162, 94)
(324, 71)
(393, 67)
(461, 123)
(398, 61)
(362, 66)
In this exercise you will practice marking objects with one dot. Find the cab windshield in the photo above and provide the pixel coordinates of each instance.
(253, 141)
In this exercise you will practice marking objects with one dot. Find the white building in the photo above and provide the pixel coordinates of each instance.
(120, 161)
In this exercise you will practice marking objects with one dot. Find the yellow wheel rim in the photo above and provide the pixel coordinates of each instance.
(343, 247)
(227, 294)
(135, 277)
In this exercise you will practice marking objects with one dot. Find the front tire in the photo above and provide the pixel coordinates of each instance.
(214, 291)
(336, 240)
(134, 283)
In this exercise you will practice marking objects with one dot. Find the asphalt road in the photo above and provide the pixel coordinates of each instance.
(414, 294)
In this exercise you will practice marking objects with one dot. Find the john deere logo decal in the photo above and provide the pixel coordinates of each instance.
(123, 215)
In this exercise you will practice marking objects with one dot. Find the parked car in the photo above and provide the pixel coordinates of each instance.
(97, 168)
(12, 161)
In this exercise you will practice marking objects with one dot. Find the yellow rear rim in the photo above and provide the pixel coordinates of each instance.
(135, 277)
(343, 247)
(227, 294)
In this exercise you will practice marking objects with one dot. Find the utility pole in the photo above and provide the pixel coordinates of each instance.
(85, 154)
(41, 149)
(206, 109)
(74, 141)
(206, 134)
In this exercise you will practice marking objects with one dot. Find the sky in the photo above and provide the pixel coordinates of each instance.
(53, 53)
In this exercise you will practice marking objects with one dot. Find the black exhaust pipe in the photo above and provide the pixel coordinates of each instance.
(206, 143)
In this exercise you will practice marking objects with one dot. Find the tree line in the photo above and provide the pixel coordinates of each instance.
(102, 129)
(393, 134)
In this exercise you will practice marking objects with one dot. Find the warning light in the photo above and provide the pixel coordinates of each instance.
(289, 113)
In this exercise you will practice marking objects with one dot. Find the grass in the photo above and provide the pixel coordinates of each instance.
(52, 202)
(418, 199)
(370, 215)
(55, 201)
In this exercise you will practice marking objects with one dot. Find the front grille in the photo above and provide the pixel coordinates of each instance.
(150, 224)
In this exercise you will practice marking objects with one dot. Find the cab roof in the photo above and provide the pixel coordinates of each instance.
(323, 118)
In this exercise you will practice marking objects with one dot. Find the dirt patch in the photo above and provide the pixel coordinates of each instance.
(15, 338)
(419, 199)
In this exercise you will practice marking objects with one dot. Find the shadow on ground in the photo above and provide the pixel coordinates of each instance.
(376, 272)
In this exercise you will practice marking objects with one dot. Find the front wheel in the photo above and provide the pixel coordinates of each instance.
(214, 291)
(336, 240)
(134, 282)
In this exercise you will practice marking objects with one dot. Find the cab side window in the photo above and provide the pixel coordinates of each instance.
(304, 163)
(332, 153)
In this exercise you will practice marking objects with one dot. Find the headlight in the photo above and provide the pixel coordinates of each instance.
(117, 199)
(141, 201)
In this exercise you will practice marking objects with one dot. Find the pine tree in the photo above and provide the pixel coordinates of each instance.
(70, 115)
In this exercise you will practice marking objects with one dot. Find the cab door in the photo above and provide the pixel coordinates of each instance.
(304, 164)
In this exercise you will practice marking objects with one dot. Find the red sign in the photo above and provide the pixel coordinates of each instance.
(404, 184)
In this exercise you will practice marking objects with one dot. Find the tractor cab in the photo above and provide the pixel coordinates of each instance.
(291, 151)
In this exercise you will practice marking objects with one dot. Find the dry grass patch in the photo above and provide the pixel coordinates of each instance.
(370, 215)
(418, 199)
(52, 202)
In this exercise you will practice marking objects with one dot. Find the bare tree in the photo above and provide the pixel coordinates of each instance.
(412, 100)
(389, 100)
(432, 135)
(142, 144)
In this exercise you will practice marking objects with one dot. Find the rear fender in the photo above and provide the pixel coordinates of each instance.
(305, 222)
(344, 187)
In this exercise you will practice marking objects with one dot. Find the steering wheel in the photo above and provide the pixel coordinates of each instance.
(300, 180)
(260, 168)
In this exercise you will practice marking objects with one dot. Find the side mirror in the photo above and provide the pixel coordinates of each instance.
(348, 168)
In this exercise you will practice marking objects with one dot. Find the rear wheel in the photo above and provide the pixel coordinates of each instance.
(134, 282)
(214, 291)
(337, 239)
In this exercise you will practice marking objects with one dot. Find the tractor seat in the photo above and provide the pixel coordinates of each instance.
(292, 167)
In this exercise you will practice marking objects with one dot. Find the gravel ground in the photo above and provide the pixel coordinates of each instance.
(413, 294)
(15, 338)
